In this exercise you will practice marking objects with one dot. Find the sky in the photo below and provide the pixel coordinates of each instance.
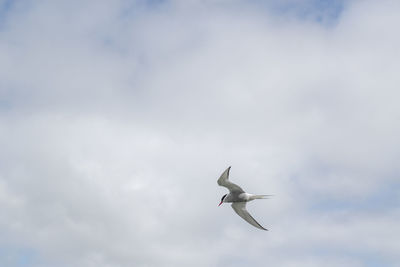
(118, 117)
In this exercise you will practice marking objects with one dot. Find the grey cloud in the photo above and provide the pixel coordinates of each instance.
(117, 119)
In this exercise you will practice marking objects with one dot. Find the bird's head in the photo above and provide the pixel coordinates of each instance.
(222, 200)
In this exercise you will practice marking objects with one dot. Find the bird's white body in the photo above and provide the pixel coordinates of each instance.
(246, 197)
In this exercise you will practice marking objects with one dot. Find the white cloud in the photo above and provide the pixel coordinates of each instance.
(117, 119)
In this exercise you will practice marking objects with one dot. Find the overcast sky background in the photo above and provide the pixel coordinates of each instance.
(118, 117)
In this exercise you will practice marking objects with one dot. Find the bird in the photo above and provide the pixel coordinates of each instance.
(239, 198)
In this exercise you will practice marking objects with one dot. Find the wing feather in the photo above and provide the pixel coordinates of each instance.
(224, 181)
(240, 209)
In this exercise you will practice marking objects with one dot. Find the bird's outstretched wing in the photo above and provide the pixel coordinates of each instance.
(224, 181)
(240, 209)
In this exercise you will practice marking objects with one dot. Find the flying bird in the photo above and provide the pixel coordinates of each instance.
(239, 198)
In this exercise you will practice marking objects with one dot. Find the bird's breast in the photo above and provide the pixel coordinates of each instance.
(237, 197)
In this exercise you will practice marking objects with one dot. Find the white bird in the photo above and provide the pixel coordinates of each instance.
(238, 198)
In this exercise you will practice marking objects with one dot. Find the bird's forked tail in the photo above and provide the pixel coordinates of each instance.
(252, 197)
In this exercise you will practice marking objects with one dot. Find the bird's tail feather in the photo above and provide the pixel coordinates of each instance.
(260, 196)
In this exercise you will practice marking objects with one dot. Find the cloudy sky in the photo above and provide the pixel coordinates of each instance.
(117, 118)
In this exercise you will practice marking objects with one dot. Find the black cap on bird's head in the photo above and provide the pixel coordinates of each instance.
(222, 200)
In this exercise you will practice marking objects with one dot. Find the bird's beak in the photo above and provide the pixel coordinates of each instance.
(220, 204)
